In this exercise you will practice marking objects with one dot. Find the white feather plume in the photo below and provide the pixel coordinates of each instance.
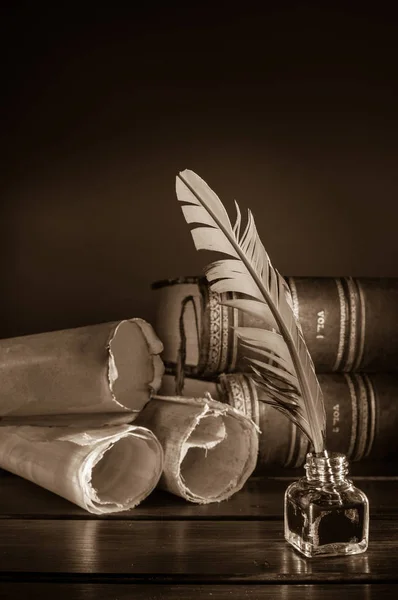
(280, 362)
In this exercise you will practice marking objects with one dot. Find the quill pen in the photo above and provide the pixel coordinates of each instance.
(279, 360)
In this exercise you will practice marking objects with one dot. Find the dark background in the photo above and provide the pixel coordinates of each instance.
(290, 109)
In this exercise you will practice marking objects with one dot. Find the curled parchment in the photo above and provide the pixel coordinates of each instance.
(280, 441)
(210, 449)
(103, 470)
(103, 373)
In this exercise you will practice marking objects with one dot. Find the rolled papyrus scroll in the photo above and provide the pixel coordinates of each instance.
(106, 372)
(210, 449)
(103, 470)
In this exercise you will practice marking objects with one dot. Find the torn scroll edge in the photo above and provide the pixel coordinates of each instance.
(210, 448)
(104, 470)
(155, 348)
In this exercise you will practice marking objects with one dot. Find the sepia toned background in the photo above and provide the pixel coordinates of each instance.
(290, 110)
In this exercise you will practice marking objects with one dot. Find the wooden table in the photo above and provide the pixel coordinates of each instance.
(167, 548)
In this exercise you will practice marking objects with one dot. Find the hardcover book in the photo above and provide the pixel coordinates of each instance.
(349, 324)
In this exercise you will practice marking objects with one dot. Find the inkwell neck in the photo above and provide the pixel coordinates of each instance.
(326, 467)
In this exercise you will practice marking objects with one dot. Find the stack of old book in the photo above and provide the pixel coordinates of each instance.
(350, 326)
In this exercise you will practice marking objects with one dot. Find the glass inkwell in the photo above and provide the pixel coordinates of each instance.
(325, 514)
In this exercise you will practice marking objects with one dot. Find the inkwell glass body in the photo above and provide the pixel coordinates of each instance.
(325, 514)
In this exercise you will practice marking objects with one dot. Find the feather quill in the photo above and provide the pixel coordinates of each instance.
(279, 360)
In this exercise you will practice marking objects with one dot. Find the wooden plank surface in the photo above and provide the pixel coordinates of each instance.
(261, 498)
(90, 591)
(187, 551)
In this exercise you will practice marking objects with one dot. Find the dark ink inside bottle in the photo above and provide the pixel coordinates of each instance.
(324, 512)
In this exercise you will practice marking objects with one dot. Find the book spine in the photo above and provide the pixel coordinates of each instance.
(349, 324)
(361, 419)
